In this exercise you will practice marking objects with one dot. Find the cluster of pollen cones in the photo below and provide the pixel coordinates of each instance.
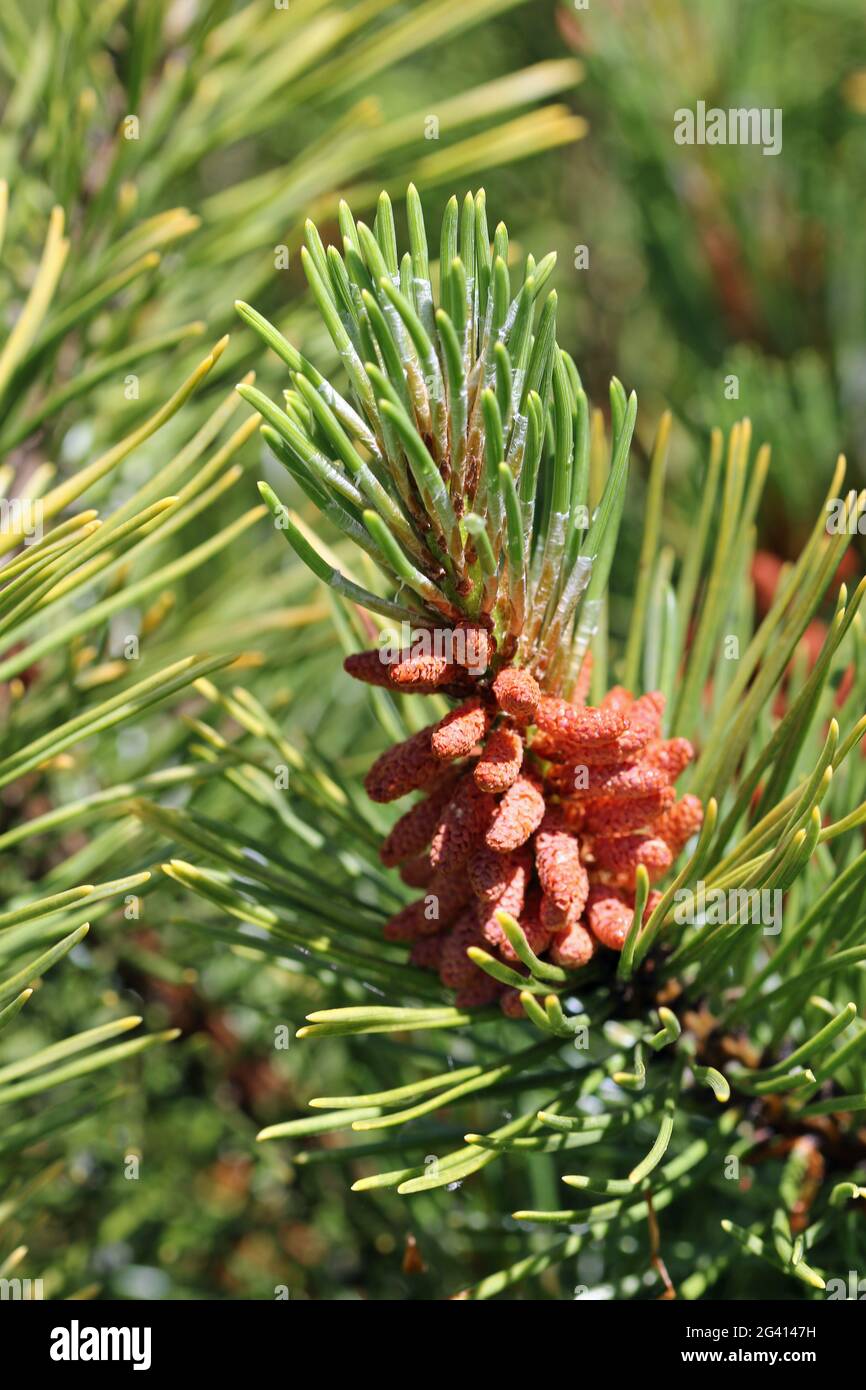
(537, 806)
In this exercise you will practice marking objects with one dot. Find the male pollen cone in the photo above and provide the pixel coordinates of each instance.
(489, 873)
(561, 872)
(517, 693)
(519, 812)
(457, 734)
(500, 762)
(417, 872)
(461, 825)
(403, 768)
(531, 804)
(513, 901)
(414, 830)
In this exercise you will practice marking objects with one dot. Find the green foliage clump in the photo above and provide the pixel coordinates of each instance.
(125, 130)
(705, 1010)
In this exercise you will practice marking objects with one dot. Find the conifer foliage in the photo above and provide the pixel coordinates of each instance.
(485, 495)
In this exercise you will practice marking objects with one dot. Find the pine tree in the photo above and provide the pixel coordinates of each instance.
(485, 497)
